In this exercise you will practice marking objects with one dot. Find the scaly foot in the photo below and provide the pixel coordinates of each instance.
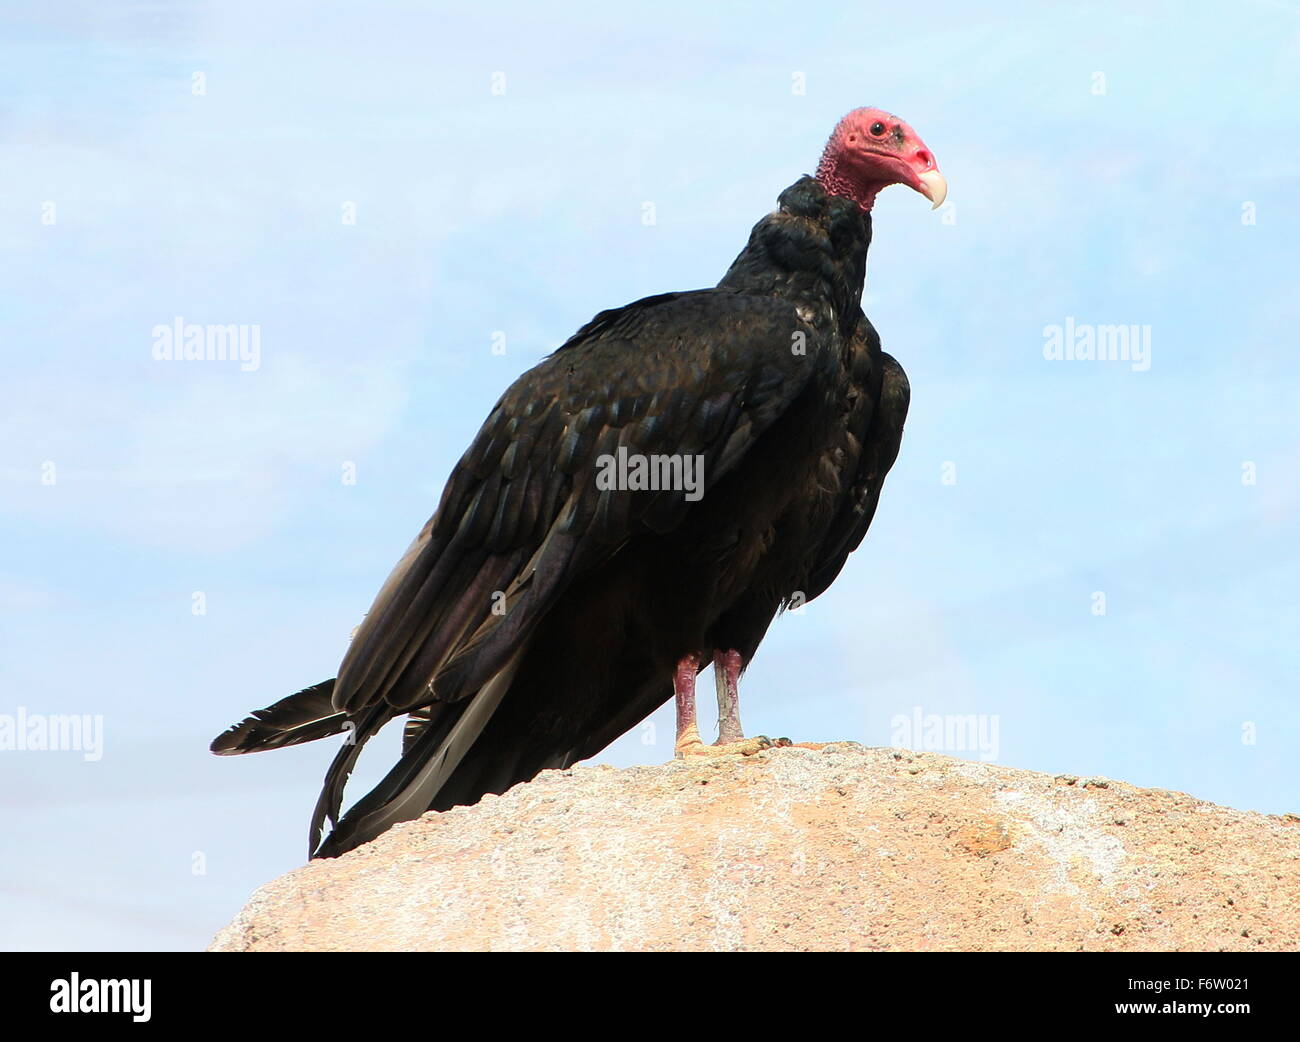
(731, 740)
(690, 747)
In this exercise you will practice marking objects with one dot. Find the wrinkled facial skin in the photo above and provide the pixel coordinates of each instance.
(871, 149)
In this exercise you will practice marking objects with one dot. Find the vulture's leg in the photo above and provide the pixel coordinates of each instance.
(688, 731)
(726, 672)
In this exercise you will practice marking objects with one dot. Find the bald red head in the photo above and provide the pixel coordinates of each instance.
(870, 150)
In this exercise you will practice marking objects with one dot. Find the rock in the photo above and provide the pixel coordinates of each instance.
(836, 847)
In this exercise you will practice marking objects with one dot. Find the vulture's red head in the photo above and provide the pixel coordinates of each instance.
(870, 150)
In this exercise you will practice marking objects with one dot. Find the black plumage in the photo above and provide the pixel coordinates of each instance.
(539, 615)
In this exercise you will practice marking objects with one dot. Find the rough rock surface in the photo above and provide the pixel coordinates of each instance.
(818, 848)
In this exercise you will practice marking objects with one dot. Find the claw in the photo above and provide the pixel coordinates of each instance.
(731, 740)
(691, 747)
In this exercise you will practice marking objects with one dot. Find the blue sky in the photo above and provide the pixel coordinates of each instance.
(521, 213)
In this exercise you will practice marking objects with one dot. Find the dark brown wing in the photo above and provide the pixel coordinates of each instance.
(876, 425)
(691, 374)
(700, 374)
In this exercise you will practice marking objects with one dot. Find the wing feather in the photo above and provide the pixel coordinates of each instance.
(698, 374)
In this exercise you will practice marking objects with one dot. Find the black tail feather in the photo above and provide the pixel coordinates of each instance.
(340, 769)
(302, 717)
(412, 786)
(355, 827)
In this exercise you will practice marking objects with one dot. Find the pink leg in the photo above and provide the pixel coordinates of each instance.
(688, 731)
(726, 671)
(731, 740)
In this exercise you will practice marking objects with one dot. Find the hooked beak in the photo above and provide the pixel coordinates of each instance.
(934, 187)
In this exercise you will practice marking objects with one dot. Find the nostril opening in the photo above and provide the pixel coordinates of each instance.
(924, 158)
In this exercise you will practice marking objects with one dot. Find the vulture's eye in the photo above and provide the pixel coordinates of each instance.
(877, 129)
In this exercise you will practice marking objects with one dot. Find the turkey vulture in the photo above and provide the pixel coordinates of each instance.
(641, 503)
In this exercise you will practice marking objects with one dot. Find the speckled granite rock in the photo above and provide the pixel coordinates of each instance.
(833, 848)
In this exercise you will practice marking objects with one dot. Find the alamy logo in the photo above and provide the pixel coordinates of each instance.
(946, 732)
(637, 473)
(52, 732)
(1082, 342)
(194, 342)
(74, 995)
